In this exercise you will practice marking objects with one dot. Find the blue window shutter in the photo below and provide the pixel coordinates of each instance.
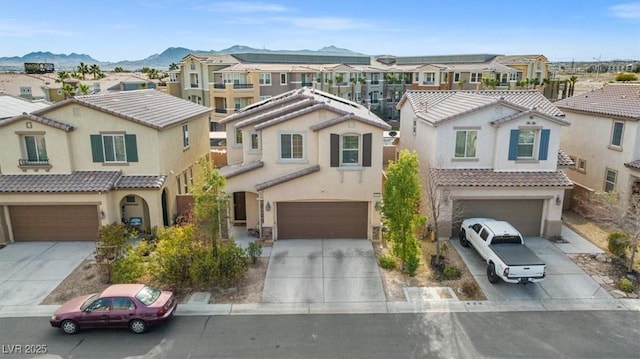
(96, 148)
(366, 149)
(513, 145)
(335, 150)
(131, 147)
(544, 145)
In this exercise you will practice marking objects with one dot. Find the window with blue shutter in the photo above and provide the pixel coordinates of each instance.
(114, 148)
(513, 145)
(544, 145)
(96, 148)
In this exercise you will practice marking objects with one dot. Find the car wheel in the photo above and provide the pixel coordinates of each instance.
(138, 326)
(491, 274)
(463, 238)
(69, 326)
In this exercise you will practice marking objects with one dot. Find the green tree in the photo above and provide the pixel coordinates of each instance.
(209, 206)
(339, 79)
(363, 87)
(626, 76)
(118, 69)
(173, 66)
(94, 69)
(83, 69)
(62, 76)
(572, 81)
(68, 90)
(84, 89)
(353, 87)
(401, 209)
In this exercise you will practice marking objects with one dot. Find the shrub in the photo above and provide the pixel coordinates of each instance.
(130, 268)
(470, 288)
(203, 269)
(617, 244)
(112, 241)
(626, 76)
(254, 251)
(451, 272)
(412, 265)
(174, 255)
(232, 263)
(387, 262)
(626, 285)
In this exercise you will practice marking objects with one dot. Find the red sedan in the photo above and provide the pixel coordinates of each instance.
(133, 306)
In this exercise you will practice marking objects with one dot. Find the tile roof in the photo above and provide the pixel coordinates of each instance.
(40, 119)
(13, 106)
(148, 107)
(78, 181)
(491, 178)
(240, 168)
(633, 164)
(564, 160)
(288, 177)
(621, 100)
(437, 106)
(140, 182)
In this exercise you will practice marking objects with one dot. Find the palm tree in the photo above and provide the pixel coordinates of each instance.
(68, 90)
(363, 88)
(353, 87)
(173, 66)
(339, 79)
(330, 82)
(573, 79)
(461, 84)
(94, 70)
(83, 69)
(152, 74)
(84, 89)
(62, 75)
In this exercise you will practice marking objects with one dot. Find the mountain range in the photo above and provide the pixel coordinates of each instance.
(158, 61)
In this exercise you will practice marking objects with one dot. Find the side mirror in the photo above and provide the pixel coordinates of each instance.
(88, 310)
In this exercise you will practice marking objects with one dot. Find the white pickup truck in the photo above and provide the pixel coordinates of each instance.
(503, 248)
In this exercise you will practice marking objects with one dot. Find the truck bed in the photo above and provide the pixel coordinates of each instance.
(516, 255)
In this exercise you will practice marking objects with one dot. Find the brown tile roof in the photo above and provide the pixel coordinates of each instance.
(151, 108)
(240, 168)
(633, 164)
(288, 177)
(78, 181)
(564, 160)
(490, 178)
(40, 119)
(151, 182)
(621, 100)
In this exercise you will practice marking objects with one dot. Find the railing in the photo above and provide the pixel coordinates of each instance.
(307, 84)
(375, 82)
(428, 82)
(28, 163)
(242, 86)
(220, 110)
(219, 86)
(194, 85)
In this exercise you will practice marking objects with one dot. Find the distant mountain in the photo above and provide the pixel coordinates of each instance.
(160, 61)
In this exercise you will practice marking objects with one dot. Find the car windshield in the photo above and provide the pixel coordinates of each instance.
(148, 295)
(89, 301)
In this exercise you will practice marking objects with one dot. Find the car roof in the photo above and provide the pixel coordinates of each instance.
(122, 290)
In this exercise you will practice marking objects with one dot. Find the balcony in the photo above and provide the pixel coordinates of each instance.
(29, 164)
(375, 82)
(242, 86)
(194, 86)
(220, 110)
(219, 86)
(307, 84)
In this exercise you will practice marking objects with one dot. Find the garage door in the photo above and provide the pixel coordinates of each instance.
(38, 223)
(525, 215)
(322, 220)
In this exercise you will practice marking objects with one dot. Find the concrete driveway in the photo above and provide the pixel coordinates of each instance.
(29, 271)
(322, 271)
(564, 280)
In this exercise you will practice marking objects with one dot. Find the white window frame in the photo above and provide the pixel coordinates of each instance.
(429, 78)
(283, 78)
(611, 183)
(466, 154)
(357, 149)
(533, 145)
(40, 143)
(237, 137)
(292, 135)
(513, 76)
(185, 135)
(581, 165)
(456, 77)
(475, 77)
(254, 145)
(114, 144)
(613, 131)
(264, 79)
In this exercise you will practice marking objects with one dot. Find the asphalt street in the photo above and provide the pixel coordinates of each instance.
(575, 334)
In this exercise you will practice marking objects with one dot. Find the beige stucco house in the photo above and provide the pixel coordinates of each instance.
(604, 139)
(98, 159)
(489, 154)
(306, 164)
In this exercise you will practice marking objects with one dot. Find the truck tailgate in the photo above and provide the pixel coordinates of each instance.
(516, 255)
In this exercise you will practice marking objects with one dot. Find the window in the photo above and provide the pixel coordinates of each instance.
(283, 79)
(194, 80)
(466, 143)
(429, 78)
(191, 175)
(291, 146)
(185, 136)
(484, 234)
(265, 79)
(238, 136)
(582, 165)
(526, 141)
(255, 141)
(193, 65)
(101, 305)
(130, 199)
(350, 149)
(35, 148)
(513, 76)
(616, 134)
(185, 182)
(114, 148)
(476, 77)
(610, 180)
(456, 77)
(444, 77)
(123, 304)
(179, 184)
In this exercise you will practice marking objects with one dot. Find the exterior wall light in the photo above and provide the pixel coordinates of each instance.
(267, 207)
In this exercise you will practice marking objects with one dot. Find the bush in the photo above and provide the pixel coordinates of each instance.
(112, 241)
(617, 244)
(174, 255)
(626, 285)
(203, 269)
(233, 263)
(387, 262)
(130, 268)
(626, 76)
(254, 251)
(470, 288)
(412, 265)
(451, 272)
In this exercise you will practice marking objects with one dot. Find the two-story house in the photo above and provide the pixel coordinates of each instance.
(604, 139)
(98, 159)
(305, 164)
(489, 154)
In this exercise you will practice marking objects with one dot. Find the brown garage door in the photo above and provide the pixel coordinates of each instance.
(525, 215)
(322, 220)
(41, 223)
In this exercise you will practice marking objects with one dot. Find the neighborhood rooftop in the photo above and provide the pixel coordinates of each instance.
(612, 100)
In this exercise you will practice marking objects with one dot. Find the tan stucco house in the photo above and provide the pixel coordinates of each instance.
(305, 164)
(604, 140)
(98, 159)
(489, 154)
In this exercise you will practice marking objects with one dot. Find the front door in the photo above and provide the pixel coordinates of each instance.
(97, 314)
(239, 207)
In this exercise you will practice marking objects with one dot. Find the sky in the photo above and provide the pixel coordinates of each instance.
(116, 30)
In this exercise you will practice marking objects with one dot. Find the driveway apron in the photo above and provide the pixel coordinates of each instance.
(322, 271)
